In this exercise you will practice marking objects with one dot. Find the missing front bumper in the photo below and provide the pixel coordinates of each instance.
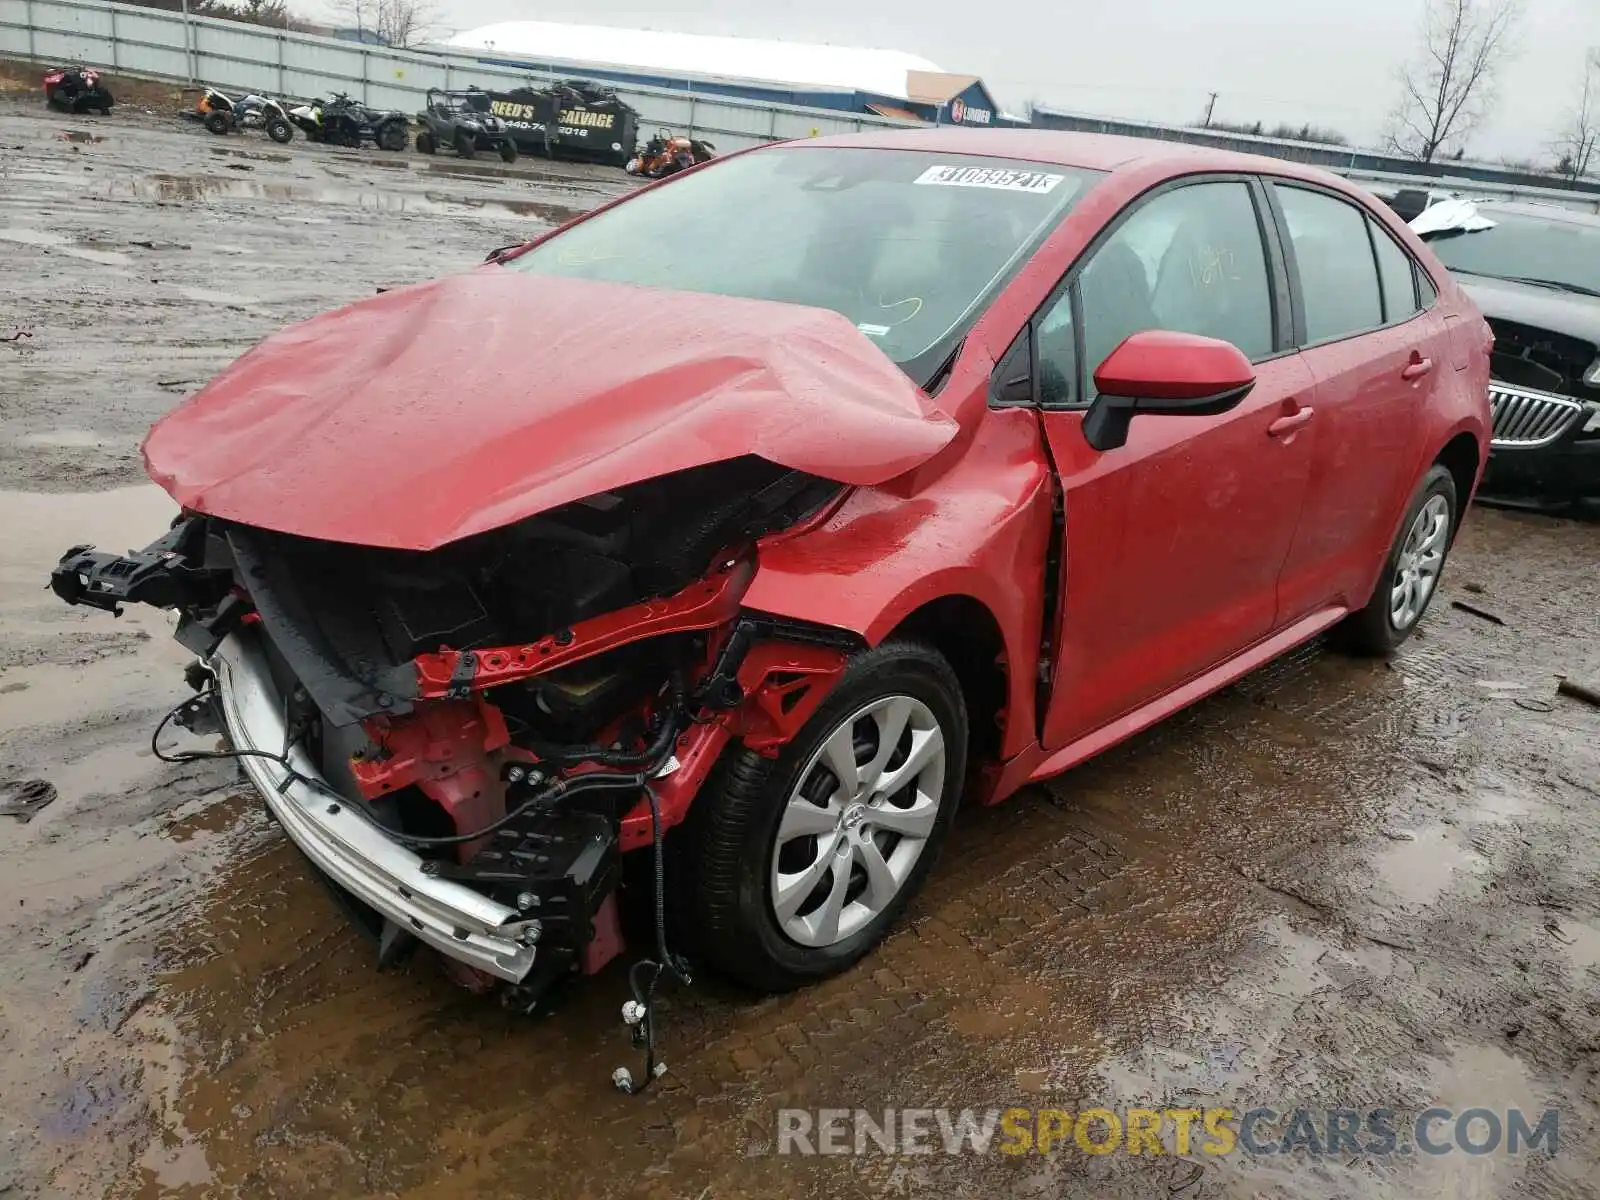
(345, 845)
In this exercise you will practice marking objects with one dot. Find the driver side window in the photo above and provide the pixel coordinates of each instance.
(1191, 260)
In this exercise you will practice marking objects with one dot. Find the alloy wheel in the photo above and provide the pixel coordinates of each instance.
(857, 820)
(1421, 559)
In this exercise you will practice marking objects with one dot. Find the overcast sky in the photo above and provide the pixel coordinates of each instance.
(1331, 62)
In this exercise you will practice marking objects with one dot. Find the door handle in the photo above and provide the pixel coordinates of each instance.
(1416, 368)
(1284, 426)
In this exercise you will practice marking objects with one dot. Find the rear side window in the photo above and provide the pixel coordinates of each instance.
(1398, 276)
(1338, 278)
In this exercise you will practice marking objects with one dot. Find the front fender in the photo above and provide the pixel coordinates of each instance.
(980, 529)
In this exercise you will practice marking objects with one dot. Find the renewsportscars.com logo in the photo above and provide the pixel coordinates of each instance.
(1342, 1132)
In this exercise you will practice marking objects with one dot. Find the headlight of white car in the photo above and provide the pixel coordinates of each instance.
(1592, 425)
(1593, 377)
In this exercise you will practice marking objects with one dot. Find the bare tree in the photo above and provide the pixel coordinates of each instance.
(273, 13)
(1578, 143)
(1447, 91)
(391, 22)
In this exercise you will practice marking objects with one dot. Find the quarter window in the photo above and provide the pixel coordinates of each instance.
(1338, 278)
(1397, 276)
(1058, 354)
(1191, 260)
(1425, 289)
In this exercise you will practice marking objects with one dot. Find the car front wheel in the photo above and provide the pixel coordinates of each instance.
(1412, 570)
(797, 866)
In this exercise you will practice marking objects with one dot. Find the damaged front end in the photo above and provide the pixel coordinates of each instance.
(467, 740)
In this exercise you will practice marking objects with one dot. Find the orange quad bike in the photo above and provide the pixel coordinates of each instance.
(667, 154)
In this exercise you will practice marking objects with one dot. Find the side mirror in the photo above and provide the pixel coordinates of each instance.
(1160, 372)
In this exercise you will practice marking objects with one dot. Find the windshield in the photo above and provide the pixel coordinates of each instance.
(1556, 251)
(906, 244)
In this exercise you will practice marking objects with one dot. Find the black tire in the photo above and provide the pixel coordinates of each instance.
(280, 130)
(392, 136)
(730, 837)
(466, 144)
(508, 151)
(218, 122)
(1372, 630)
(425, 143)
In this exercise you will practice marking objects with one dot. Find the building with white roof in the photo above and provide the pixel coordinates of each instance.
(888, 82)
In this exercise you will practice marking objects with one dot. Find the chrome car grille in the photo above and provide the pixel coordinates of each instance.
(1525, 419)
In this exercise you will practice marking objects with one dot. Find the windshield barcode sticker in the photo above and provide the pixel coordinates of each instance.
(990, 177)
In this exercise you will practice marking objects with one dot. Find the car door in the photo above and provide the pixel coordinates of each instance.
(1376, 353)
(1173, 543)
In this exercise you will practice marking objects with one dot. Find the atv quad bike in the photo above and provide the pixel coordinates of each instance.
(221, 114)
(77, 90)
(462, 122)
(341, 121)
(668, 153)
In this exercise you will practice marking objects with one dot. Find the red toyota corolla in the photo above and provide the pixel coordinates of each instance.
(743, 528)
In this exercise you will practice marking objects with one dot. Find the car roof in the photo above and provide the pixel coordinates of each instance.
(1089, 151)
(1544, 211)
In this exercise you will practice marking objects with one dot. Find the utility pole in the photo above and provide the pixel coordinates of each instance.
(189, 46)
(1211, 107)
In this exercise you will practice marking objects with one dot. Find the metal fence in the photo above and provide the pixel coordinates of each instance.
(236, 56)
(1363, 166)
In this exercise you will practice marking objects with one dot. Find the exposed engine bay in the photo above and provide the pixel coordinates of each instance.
(519, 707)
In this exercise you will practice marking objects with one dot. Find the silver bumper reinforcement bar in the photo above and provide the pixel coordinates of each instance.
(346, 845)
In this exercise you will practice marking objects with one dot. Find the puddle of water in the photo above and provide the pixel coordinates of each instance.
(40, 526)
(1419, 871)
(259, 156)
(207, 816)
(106, 258)
(40, 882)
(1475, 1076)
(66, 437)
(201, 188)
(62, 245)
(207, 296)
(84, 1101)
(1008, 1008)
(1217, 1063)
(32, 237)
(175, 1160)
(55, 697)
(180, 1166)
(468, 170)
(1581, 945)
(1498, 805)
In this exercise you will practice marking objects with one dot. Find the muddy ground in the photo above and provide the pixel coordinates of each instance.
(1338, 884)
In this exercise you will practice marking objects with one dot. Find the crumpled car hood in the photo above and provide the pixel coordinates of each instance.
(433, 412)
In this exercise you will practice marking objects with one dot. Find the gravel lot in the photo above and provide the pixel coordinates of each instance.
(1336, 884)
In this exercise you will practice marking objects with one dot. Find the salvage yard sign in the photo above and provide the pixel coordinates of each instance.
(599, 128)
